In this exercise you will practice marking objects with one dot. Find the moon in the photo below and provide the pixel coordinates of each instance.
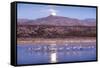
(53, 13)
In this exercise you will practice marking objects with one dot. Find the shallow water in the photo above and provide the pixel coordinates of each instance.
(53, 53)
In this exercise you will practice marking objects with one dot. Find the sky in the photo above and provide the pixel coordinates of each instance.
(34, 11)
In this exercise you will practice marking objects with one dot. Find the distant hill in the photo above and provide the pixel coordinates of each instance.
(89, 22)
(58, 21)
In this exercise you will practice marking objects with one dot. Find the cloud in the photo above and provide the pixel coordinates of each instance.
(50, 9)
(53, 12)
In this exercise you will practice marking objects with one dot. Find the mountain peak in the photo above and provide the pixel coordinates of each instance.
(59, 21)
(51, 15)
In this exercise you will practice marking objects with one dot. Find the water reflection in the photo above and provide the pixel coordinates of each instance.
(52, 53)
(53, 58)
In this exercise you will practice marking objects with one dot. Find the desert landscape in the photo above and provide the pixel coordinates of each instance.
(55, 29)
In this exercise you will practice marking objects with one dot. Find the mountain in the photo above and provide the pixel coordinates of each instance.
(89, 22)
(61, 27)
(58, 21)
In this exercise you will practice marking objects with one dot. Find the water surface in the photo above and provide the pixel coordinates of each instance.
(43, 53)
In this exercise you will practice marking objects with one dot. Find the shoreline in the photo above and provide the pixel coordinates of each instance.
(55, 41)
